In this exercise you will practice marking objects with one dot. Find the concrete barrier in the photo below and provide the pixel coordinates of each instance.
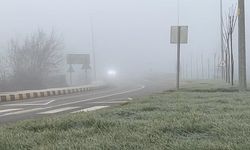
(22, 95)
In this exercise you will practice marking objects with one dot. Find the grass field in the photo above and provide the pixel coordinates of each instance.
(193, 118)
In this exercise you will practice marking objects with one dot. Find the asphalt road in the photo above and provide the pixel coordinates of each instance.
(80, 102)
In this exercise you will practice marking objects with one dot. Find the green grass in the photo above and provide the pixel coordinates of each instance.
(184, 120)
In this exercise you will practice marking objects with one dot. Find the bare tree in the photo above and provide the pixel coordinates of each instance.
(33, 60)
(227, 51)
(4, 73)
(229, 26)
(4, 68)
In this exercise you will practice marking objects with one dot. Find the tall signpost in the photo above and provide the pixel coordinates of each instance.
(178, 57)
(93, 47)
(179, 35)
(242, 45)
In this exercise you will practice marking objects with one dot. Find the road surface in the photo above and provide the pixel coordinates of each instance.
(80, 102)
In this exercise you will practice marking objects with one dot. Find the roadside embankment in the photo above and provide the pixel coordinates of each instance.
(196, 117)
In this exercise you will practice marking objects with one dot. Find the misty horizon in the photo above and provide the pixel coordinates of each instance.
(128, 35)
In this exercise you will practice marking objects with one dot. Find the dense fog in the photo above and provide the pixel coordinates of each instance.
(130, 36)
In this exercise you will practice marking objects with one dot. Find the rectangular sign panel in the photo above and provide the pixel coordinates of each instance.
(183, 34)
(83, 59)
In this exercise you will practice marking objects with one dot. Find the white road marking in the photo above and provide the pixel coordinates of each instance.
(117, 99)
(57, 110)
(95, 98)
(111, 102)
(64, 98)
(21, 112)
(90, 109)
(31, 104)
(130, 98)
(70, 103)
(9, 110)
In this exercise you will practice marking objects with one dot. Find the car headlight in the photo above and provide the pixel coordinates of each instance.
(111, 73)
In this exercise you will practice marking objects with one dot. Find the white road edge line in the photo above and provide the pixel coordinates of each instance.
(117, 99)
(9, 110)
(95, 98)
(63, 98)
(90, 109)
(110, 102)
(30, 104)
(90, 99)
(57, 110)
(21, 112)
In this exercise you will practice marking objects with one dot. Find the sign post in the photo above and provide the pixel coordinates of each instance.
(178, 58)
(70, 70)
(179, 35)
(79, 59)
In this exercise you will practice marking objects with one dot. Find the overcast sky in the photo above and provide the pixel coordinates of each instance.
(129, 34)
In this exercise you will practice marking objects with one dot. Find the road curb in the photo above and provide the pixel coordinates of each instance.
(22, 95)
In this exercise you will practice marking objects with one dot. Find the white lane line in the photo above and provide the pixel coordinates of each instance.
(31, 104)
(67, 97)
(9, 110)
(65, 104)
(110, 102)
(21, 112)
(90, 109)
(117, 99)
(57, 110)
(114, 101)
(95, 98)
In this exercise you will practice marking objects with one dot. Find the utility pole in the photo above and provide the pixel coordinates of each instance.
(178, 47)
(215, 66)
(93, 47)
(178, 57)
(202, 67)
(191, 67)
(242, 46)
(197, 68)
(178, 12)
(208, 69)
